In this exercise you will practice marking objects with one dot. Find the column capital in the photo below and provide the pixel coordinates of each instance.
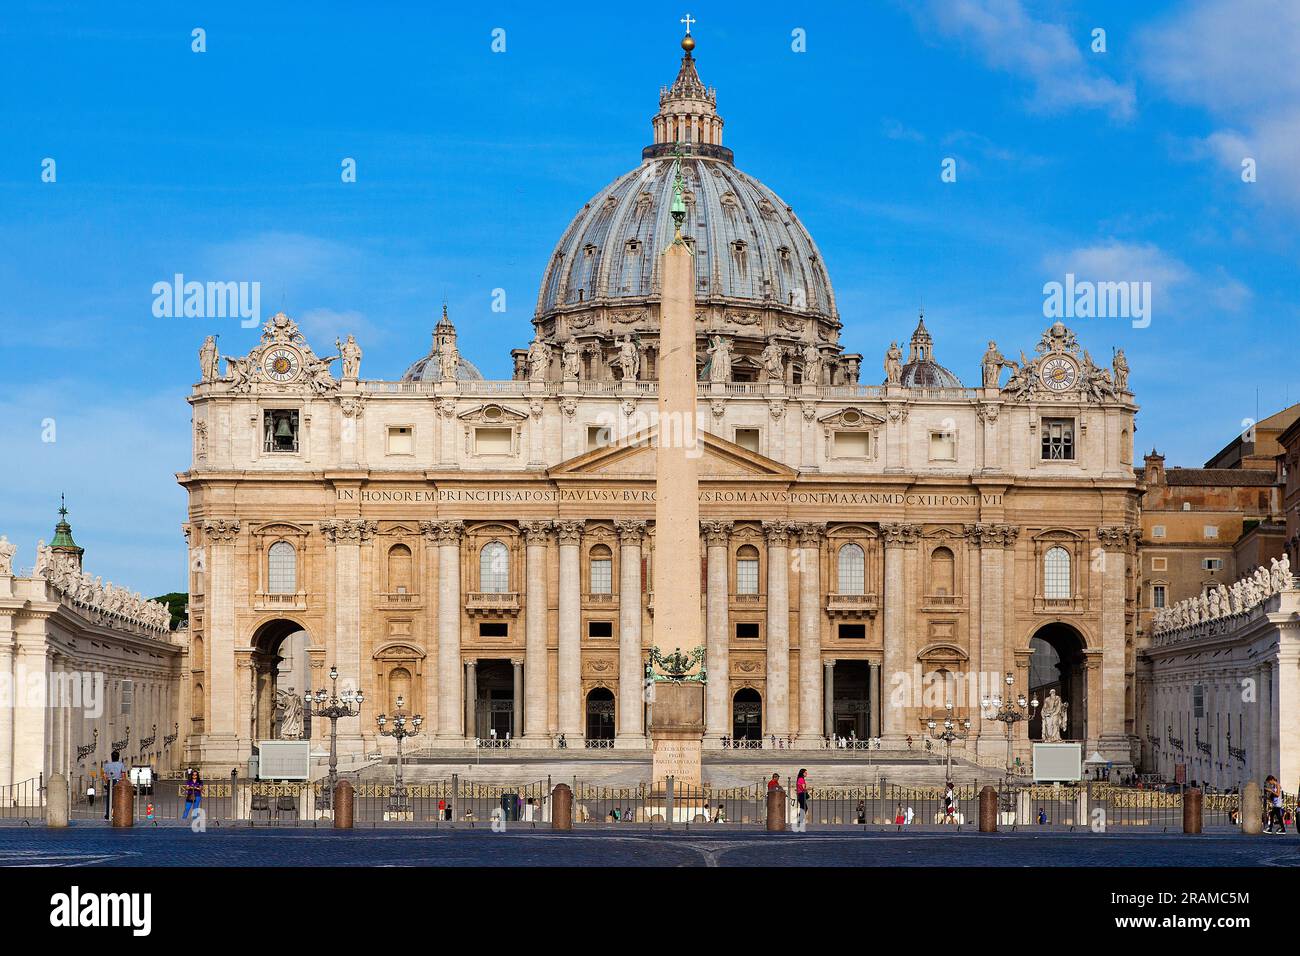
(991, 535)
(348, 530)
(810, 533)
(897, 534)
(828, 662)
(536, 532)
(778, 533)
(1118, 537)
(716, 532)
(570, 532)
(221, 530)
(446, 531)
(630, 530)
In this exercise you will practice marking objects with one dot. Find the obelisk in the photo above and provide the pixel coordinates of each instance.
(677, 704)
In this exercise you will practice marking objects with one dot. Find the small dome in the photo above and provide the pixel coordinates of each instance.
(921, 370)
(429, 368)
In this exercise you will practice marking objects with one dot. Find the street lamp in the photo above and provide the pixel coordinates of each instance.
(950, 733)
(1009, 712)
(399, 732)
(333, 706)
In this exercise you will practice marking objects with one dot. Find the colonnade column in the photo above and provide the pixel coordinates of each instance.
(537, 536)
(516, 697)
(570, 602)
(777, 716)
(813, 725)
(717, 632)
(1116, 541)
(895, 538)
(873, 698)
(447, 535)
(828, 703)
(217, 560)
(346, 535)
(471, 699)
(631, 699)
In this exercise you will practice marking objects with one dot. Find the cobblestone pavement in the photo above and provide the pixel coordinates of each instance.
(88, 845)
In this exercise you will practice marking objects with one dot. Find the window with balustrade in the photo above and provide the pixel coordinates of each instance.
(943, 572)
(494, 568)
(852, 567)
(399, 569)
(282, 568)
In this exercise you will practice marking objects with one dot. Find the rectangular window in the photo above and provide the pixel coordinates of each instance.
(747, 576)
(1211, 531)
(1157, 531)
(401, 440)
(280, 430)
(1158, 596)
(853, 632)
(1159, 564)
(493, 441)
(851, 445)
(600, 628)
(597, 437)
(494, 629)
(602, 576)
(1198, 700)
(943, 446)
(1058, 439)
(747, 438)
(747, 630)
(1212, 564)
(128, 696)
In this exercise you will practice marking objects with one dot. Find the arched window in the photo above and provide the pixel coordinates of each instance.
(1056, 573)
(852, 570)
(942, 572)
(282, 568)
(602, 570)
(494, 568)
(747, 570)
(399, 569)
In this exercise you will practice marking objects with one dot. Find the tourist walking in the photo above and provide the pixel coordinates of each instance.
(801, 794)
(949, 805)
(113, 771)
(1273, 800)
(193, 794)
(90, 793)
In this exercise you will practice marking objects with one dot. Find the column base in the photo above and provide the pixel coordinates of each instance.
(810, 742)
(631, 742)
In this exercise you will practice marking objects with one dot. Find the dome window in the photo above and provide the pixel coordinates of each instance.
(633, 246)
(589, 250)
(740, 257)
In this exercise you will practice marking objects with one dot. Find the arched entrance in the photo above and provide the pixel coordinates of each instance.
(747, 715)
(600, 714)
(850, 699)
(494, 700)
(1057, 664)
(281, 674)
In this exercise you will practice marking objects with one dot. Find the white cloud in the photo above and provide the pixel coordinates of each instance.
(1045, 54)
(1236, 59)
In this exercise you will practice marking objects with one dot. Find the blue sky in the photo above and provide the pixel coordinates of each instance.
(225, 165)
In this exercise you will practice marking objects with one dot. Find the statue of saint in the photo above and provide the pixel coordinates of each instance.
(720, 360)
(629, 359)
(290, 706)
(1121, 371)
(894, 365)
(350, 352)
(812, 365)
(42, 558)
(448, 361)
(7, 552)
(208, 360)
(1052, 712)
(539, 360)
(572, 359)
(993, 364)
(773, 359)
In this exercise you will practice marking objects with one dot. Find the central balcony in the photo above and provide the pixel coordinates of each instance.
(852, 605)
(492, 602)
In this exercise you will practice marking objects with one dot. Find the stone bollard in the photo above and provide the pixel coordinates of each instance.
(988, 810)
(343, 804)
(776, 810)
(1193, 803)
(57, 801)
(1252, 803)
(123, 804)
(562, 807)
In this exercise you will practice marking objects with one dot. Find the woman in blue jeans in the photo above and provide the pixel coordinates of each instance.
(193, 793)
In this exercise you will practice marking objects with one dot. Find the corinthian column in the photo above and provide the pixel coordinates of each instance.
(778, 628)
(1116, 541)
(217, 561)
(631, 728)
(994, 541)
(894, 701)
(346, 535)
(537, 535)
(570, 664)
(810, 635)
(447, 536)
(717, 635)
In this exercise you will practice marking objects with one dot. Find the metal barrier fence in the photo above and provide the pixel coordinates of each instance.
(24, 800)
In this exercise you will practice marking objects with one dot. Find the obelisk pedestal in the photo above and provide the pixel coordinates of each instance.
(677, 706)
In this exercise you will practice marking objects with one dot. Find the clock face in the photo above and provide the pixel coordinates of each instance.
(1058, 374)
(281, 364)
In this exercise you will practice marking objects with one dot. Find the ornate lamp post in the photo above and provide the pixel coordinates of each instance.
(333, 706)
(1009, 712)
(950, 733)
(399, 732)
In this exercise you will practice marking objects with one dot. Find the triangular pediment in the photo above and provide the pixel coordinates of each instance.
(635, 458)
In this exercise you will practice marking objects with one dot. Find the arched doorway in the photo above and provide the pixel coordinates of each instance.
(494, 701)
(600, 714)
(281, 674)
(747, 715)
(851, 699)
(1057, 664)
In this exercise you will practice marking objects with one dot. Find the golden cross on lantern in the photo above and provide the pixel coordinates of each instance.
(688, 21)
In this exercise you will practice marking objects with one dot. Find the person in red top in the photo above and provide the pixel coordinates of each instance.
(774, 782)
